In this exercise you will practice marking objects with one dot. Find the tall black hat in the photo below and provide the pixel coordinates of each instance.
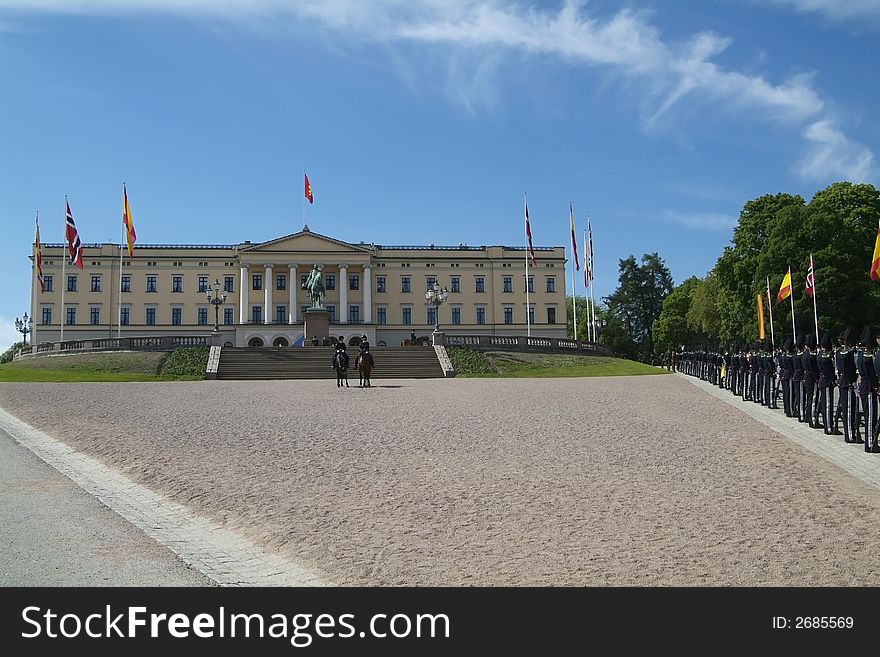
(787, 345)
(869, 336)
(810, 341)
(800, 342)
(848, 336)
(825, 341)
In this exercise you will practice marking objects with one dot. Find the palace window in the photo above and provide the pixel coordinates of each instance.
(151, 316)
(380, 284)
(71, 283)
(507, 284)
(94, 316)
(405, 285)
(203, 284)
(354, 282)
(551, 315)
(71, 316)
(257, 280)
(330, 282)
(203, 316)
(281, 314)
(481, 315)
(48, 283)
(47, 316)
(96, 284)
(176, 316)
(455, 282)
(227, 316)
(530, 285)
(126, 283)
(151, 283)
(229, 283)
(125, 316)
(431, 315)
(456, 315)
(257, 314)
(177, 283)
(406, 315)
(531, 315)
(381, 316)
(281, 282)
(480, 284)
(508, 314)
(354, 314)
(551, 283)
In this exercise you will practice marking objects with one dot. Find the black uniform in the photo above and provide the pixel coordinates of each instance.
(827, 380)
(868, 396)
(811, 377)
(797, 380)
(786, 363)
(845, 364)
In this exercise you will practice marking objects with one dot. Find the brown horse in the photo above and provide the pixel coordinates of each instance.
(340, 364)
(365, 364)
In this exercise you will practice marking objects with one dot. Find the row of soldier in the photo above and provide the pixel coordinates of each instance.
(806, 376)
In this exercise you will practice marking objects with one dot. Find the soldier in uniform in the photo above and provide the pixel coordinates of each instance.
(811, 377)
(757, 368)
(868, 384)
(797, 380)
(786, 365)
(845, 364)
(827, 381)
(770, 378)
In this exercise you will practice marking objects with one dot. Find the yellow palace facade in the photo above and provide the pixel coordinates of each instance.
(372, 290)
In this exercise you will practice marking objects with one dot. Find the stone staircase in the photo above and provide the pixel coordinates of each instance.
(314, 363)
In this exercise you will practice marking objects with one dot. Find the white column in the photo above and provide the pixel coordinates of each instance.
(242, 296)
(267, 296)
(294, 285)
(368, 294)
(343, 294)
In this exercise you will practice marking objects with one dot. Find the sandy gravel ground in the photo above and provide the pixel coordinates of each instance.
(614, 481)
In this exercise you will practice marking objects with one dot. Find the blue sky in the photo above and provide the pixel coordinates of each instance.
(425, 122)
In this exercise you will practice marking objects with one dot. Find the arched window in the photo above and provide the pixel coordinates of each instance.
(255, 342)
(280, 342)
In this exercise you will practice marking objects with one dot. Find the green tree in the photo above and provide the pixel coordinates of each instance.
(671, 329)
(638, 299)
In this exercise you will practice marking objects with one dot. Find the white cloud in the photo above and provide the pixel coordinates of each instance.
(702, 220)
(476, 37)
(837, 9)
(831, 156)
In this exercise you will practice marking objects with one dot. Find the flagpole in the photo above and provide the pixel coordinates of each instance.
(770, 308)
(815, 307)
(528, 322)
(63, 263)
(121, 240)
(791, 296)
(33, 293)
(574, 311)
(586, 288)
(592, 275)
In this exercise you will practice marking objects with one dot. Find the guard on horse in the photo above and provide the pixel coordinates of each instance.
(340, 364)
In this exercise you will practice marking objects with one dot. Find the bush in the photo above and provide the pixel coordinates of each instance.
(466, 360)
(186, 361)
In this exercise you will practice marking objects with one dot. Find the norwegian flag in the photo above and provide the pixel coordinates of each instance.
(811, 279)
(590, 269)
(529, 236)
(74, 245)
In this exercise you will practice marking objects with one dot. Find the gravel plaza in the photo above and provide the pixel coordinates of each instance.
(618, 481)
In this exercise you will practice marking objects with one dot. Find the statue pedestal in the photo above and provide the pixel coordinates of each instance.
(316, 321)
(439, 338)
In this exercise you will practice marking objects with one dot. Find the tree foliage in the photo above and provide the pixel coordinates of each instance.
(636, 304)
(837, 227)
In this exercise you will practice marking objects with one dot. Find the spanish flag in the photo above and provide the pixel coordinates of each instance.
(875, 260)
(127, 222)
(785, 288)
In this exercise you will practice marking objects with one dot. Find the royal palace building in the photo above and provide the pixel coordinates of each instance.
(372, 290)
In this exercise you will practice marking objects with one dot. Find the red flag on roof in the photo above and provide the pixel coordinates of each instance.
(308, 188)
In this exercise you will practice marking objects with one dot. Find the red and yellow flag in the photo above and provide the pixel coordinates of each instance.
(785, 288)
(308, 190)
(127, 222)
(875, 260)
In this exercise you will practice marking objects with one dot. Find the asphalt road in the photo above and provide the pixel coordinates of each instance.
(52, 533)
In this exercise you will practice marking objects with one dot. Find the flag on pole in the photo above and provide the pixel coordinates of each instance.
(811, 279)
(875, 260)
(586, 263)
(761, 334)
(529, 237)
(308, 188)
(590, 248)
(574, 244)
(130, 235)
(785, 288)
(38, 256)
(74, 245)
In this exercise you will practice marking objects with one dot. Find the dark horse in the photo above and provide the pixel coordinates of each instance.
(364, 364)
(340, 364)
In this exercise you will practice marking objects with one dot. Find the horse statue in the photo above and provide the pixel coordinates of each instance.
(340, 364)
(364, 364)
(315, 285)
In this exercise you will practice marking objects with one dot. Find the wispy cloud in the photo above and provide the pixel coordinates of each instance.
(831, 154)
(478, 36)
(702, 220)
(837, 9)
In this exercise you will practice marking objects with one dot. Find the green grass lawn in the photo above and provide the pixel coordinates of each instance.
(500, 364)
(115, 366)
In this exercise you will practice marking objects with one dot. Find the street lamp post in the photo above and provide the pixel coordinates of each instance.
(24, 326)
(435, 295)
(216, 298)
